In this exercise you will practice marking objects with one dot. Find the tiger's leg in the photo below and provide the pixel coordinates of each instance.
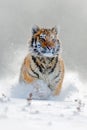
(25, 72)
(26, 77)
(60, 82)
(58, 88)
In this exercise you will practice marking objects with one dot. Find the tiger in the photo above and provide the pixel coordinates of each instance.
(44, 61)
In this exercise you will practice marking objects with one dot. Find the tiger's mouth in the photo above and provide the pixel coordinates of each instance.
(46, 51)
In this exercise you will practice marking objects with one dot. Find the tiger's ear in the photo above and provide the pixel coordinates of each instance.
(55, 30)
(35, 29)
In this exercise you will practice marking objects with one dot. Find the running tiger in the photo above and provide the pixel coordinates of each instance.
(44, 60)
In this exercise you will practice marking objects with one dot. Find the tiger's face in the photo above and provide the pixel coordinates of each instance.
(44, 42)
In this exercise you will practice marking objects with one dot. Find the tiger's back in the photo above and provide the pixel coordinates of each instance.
(44, 61)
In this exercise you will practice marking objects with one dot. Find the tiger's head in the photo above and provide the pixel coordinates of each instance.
(44, 42)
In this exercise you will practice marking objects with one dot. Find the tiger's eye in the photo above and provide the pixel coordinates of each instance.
(43, 36)
(54, 40)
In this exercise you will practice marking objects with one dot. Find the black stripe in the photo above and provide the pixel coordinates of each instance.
(50, 86)
(42, 66)
(35, 61)
(58, 81)
(32, 75)
(52, 59)
(56, 60)
(35, 40)
(57, 75)
(32, 41)
(42, 59)
(34, 72)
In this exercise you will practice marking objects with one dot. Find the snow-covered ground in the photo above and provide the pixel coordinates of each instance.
(66, 111)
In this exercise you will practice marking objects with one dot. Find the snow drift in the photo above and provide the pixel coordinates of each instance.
(72, 87)
(69, 109)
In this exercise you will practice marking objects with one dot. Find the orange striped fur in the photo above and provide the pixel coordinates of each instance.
(38, 64)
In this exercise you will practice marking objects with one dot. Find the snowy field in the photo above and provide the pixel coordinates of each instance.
(18, 111)
(67, 111)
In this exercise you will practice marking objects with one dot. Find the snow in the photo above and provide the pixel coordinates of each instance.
(19, 111)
